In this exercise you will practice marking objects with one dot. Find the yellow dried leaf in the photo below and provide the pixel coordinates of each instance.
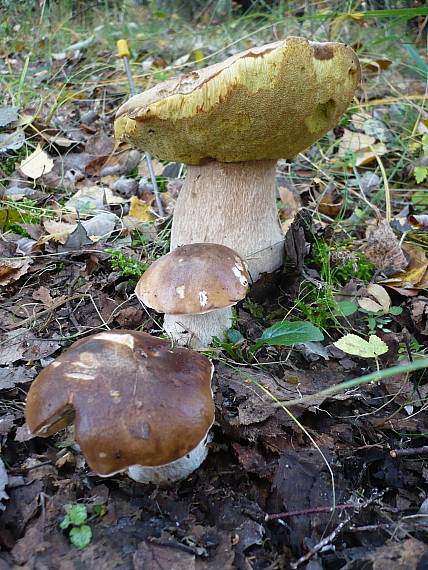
(140, 210)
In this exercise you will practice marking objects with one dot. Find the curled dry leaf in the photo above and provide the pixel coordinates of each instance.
(381, 301)
(97, 228)
(13, 269)
(363, 147)
(12, 141)
(331, 202)
(415, 274)
(384, 250)
(37, 164)
(420, 221)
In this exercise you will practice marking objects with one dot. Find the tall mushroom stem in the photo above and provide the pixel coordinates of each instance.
(232, 204)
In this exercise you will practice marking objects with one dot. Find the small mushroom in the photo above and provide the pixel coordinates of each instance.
(230, 122)
(195, 286)
(136, 404)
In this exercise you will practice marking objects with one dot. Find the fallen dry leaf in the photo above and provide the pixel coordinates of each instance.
(415, 271)
(383, 248)
(13, 269)
(87, 200)
(42, 294)
(162, 557)
(37, 164)
(97, 228)
(331, 203)
(140, 210)
(375, 66)
(364, 147)
(419, 220)
(382, 300)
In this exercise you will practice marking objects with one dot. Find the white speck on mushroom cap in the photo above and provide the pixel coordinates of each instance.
(243, 281)
(102, 454)
(238, 263)
(180, 260)
(180, 291)
(79, 376)
(125, 339)
(236, 271)
(55, 364)
(203, 298)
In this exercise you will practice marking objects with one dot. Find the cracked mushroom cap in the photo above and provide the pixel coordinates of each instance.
(267, 102)
(194, 279)
(134, 400)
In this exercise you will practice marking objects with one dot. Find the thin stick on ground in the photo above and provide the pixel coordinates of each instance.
(410, 452)
(333, 535)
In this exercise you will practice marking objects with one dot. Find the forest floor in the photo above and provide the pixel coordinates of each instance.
(337, 481)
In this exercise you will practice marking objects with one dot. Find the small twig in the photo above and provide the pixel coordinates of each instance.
(409, 452)
(321, 544)
(328, 539)
(54, 306)
(327, 509)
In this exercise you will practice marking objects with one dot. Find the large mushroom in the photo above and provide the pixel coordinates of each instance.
(230, 123)
(136, 404)
(195, 286)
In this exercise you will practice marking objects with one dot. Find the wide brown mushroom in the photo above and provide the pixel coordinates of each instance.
(136, 404)
(230, 123)
(195, 286)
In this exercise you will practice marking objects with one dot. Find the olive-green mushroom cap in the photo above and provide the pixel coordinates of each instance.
(268, 102)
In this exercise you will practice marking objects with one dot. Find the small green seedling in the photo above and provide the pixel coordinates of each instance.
(378, 309)
(80, 534)
(125, 265)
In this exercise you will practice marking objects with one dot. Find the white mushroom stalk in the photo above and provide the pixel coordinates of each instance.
(232, 204)
(171, 472)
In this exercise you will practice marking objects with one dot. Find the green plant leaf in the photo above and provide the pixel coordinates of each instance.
(77, 514)
(357, 346)
(81, 536)
(396, 310)
(65, 523)
(421, 172)
(345, 309)
(234, 336)
(286, 333)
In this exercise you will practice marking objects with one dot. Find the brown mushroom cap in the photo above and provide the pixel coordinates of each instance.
(135, 400)
(194, 279)
(268, 102)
